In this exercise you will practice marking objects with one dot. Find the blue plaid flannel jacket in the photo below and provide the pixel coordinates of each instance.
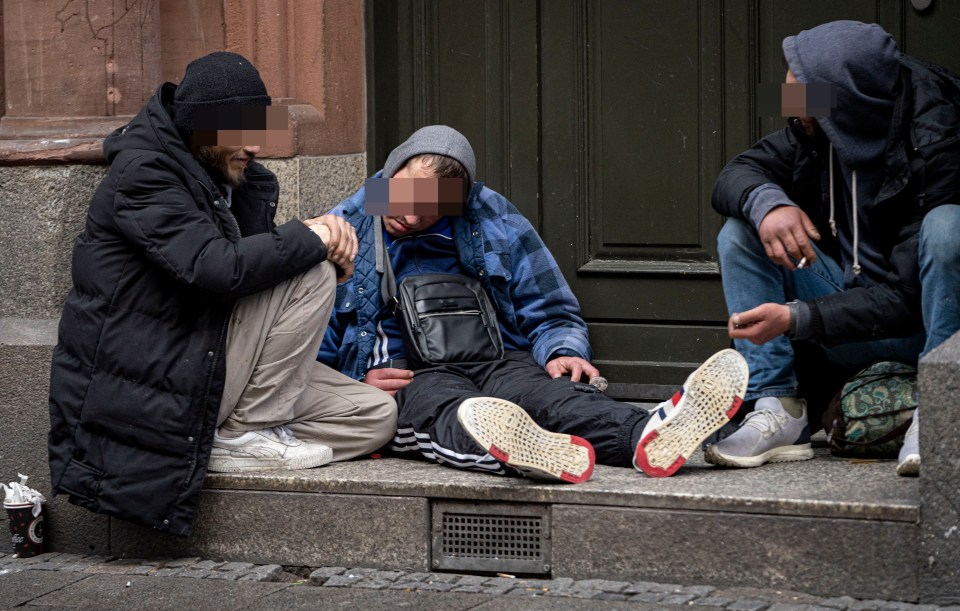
(498, 246)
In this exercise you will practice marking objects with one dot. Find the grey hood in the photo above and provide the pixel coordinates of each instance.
(862, 62)
(435, 140)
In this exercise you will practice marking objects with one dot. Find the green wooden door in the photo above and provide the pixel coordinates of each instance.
(606, 122)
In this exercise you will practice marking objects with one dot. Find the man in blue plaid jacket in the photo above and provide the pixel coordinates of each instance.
(530, 412)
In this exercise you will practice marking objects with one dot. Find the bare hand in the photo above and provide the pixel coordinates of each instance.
(761, 324)
(786, 232)
(388, 379)
(575, 366)
(341, 238)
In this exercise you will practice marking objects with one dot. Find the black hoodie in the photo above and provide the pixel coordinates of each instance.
(138, 371)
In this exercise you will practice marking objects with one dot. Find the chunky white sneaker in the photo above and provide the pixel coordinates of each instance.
(768, 434)
(909, 460)
(266, 450)
(709, 398)
(511, 436)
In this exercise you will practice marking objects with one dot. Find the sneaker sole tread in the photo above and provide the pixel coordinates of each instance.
(714, 394)
(511, 436)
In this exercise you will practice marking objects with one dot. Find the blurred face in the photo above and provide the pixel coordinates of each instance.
(231, 161)
(398, 226)
(810, 125)
(228, 137)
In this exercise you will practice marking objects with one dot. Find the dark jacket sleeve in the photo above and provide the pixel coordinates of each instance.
(154, 211)
(773, 159)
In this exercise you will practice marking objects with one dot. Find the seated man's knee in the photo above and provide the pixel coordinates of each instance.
(938, 236)
(322, 273)
(383, 411)
(736, 235)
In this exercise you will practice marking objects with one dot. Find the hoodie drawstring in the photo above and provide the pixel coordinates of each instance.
(833, 223)
(853, 214)
(856, 225)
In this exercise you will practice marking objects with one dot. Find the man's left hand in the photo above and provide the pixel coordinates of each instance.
(761, 324)
(573, 366)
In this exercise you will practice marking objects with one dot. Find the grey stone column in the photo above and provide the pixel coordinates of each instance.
(939, 569)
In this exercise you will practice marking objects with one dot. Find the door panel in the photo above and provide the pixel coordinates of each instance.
(632, 100)
(931, 34)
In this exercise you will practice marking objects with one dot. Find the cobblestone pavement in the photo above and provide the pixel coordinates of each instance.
(648, 593)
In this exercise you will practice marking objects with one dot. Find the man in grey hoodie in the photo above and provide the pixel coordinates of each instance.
(842, 231)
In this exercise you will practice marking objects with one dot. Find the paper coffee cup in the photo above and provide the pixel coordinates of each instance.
(26, 530)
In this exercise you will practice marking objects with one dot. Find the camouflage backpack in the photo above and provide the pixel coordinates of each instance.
(872, 412)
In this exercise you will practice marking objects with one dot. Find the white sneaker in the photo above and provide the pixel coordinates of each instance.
(709, 398)
(909, 460)
(266, 450)
(768, 434)
(511, 436)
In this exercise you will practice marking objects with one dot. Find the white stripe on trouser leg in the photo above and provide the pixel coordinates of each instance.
(408, 440)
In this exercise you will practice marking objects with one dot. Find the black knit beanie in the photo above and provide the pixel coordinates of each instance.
(214, 82)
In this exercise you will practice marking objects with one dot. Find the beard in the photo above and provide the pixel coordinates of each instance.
(217, 161)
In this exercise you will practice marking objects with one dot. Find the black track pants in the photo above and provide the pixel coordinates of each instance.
(427, 423)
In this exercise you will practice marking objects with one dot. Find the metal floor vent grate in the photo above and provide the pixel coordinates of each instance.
(491, 537)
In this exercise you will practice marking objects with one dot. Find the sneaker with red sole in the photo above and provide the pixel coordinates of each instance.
(709, 398)
(511, 436)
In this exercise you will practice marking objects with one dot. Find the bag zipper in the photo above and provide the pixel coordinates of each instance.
(457, 313)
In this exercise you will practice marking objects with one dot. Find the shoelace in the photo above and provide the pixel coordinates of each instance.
(765, 421)
(283, 434)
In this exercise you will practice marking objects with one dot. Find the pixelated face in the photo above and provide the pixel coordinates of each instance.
(806, 101)
(802, 100)
(228, 137)
(240, 126)
(413, 200)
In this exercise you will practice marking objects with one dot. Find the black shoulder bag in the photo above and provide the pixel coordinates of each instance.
(444, 318)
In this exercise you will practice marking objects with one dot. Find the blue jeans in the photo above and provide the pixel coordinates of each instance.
(750, 279)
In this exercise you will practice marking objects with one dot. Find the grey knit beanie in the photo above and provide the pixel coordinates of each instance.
(220, 80)
(436, 140)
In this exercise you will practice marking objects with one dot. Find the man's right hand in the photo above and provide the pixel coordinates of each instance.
(388, 379)
(786, 232)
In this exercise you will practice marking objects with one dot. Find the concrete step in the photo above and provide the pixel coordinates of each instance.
(829, 526)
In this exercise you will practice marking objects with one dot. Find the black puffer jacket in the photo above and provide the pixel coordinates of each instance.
(921, 171)
(138, 370)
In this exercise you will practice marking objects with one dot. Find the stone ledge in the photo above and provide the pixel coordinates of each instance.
(769, 527)
(79, 140)
(826, 487)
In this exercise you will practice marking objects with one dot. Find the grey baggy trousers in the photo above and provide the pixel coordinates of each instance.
(273, 377)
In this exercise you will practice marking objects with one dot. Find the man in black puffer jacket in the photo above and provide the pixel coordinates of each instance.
(189, 339)
(882, 169)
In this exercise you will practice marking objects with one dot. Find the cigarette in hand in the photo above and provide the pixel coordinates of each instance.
(802, 263)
